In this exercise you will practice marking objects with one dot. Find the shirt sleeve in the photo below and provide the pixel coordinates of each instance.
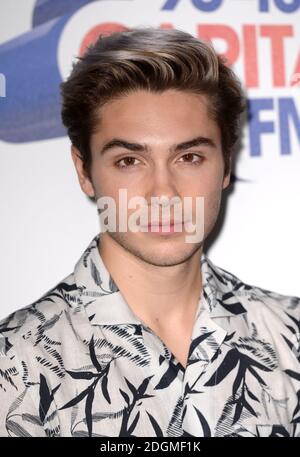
(19, 415)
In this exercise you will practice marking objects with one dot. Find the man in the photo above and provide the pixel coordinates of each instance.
(147, 337)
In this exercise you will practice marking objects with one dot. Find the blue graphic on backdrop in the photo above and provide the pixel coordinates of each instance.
(31, 109)
(45, 10)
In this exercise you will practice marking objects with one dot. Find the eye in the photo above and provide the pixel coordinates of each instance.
(128, 162)
(190, 160)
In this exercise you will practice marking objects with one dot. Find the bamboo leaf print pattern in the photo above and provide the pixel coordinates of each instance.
(78, 362)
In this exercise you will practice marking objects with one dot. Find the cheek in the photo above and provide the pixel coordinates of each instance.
(104, 183)
(208, 185)
(211, 190)
(212, 202)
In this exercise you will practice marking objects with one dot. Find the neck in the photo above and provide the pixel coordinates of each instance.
(159, 295)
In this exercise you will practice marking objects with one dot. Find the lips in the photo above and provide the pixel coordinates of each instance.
(160, 225)
(165, 224)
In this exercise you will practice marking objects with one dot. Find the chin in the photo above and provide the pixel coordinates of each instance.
(161, 251)
(167, 259)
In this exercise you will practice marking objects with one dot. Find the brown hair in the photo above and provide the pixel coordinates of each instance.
(153, 59)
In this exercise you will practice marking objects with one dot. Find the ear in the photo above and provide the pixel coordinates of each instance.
(226, 180)
(84, 181)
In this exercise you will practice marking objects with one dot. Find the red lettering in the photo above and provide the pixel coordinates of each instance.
(250, 56)
(277, 33)
(226, 33)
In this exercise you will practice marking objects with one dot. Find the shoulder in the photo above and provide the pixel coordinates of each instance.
(255, 299)
(39, 315)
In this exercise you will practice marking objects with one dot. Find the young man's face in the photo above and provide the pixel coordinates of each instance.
(160, 122)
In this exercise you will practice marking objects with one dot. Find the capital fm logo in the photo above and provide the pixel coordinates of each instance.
(264, 53)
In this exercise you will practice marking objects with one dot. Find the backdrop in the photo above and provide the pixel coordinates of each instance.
(46, 219)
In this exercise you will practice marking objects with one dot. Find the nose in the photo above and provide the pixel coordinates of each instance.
(163, 197)
(162, 185)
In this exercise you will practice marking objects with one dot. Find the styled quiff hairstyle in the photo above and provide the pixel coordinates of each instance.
(151, 59)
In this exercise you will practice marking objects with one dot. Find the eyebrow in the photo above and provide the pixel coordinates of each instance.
(140, 147)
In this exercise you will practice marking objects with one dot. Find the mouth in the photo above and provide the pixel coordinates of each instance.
(158, 227)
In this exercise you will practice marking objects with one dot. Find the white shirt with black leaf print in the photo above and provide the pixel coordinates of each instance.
(79, 362)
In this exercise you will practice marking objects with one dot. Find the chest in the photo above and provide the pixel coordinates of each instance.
(178, 343)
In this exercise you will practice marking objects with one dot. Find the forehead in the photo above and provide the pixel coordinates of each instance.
(151, 113)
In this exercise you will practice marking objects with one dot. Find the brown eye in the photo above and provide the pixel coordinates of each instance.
(190, 156)
(128, 162)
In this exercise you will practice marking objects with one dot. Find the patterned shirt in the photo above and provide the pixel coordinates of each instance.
(79, 362)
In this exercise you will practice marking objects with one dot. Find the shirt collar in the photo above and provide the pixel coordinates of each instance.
(105, 304)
